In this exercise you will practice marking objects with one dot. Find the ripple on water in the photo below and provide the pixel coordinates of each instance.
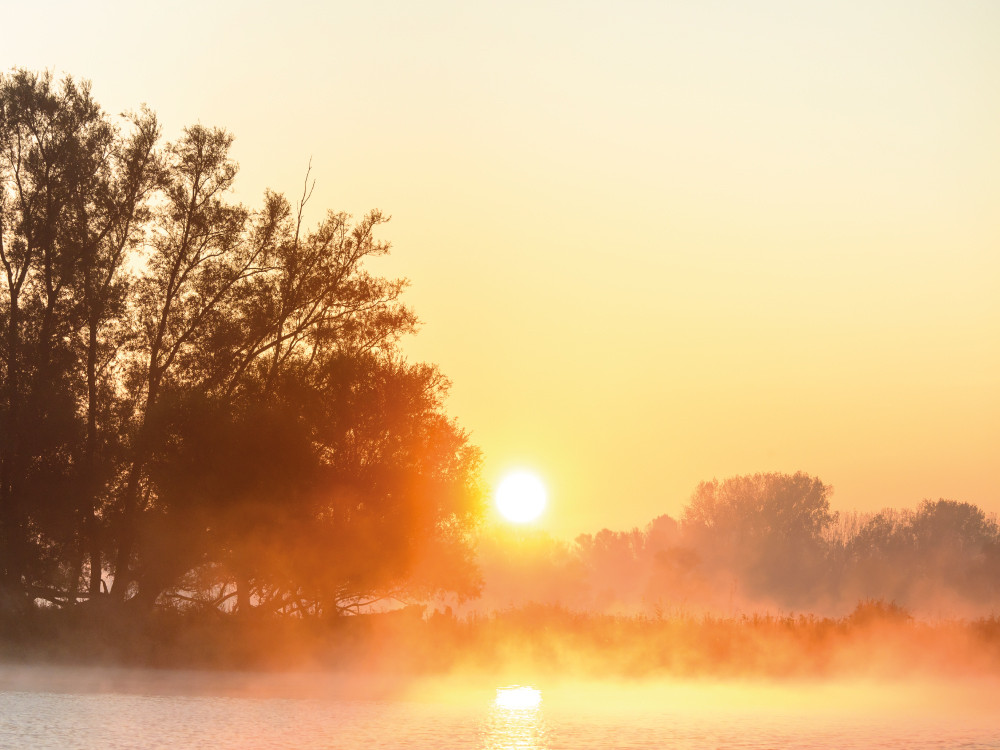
(513, 717)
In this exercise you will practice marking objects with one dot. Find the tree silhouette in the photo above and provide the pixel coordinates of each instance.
(767, 526)
(197, 396)
(71, 189)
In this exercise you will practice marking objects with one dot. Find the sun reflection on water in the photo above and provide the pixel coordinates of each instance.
(516, 721)
(518, 698)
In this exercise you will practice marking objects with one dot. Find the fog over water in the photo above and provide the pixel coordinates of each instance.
(84, 709)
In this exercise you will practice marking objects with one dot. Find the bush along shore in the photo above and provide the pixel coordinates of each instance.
(877, 639)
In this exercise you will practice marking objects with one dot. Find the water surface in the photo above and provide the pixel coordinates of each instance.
(91, 710)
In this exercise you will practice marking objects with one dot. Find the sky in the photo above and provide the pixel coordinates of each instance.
(651, 243)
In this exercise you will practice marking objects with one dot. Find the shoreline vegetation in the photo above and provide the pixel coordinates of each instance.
(876, 640)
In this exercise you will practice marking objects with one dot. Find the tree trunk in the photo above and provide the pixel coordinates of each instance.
(75, 571)
(11, 525)
(243, 607)
(90, 510)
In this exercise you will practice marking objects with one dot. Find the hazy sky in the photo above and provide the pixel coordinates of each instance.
(651, 242)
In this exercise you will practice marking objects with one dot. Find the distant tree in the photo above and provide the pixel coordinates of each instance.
(943, 550)
(766, 528)
(955, 544)
(882, 536)
(763, 540)
(620, 563)
(873, 559)
(674, 577)
(662, 533)
(953, 528)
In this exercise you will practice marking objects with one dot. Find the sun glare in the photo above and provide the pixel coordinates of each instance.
(521, 497)
(518, 698)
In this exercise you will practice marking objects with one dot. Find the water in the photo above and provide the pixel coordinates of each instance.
(84, 711)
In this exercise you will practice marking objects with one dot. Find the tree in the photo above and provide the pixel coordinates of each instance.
(72, 188)
(766, 528)
(957, 546)
(318, 501)
(196, 395)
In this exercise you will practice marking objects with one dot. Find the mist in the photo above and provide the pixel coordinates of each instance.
(764, 543)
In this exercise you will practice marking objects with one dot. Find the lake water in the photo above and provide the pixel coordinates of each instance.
(87, 710)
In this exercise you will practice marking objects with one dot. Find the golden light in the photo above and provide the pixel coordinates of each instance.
(521, 497)
(518, 698)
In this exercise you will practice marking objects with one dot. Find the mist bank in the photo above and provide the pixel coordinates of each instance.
(756, 543)
(877, 640)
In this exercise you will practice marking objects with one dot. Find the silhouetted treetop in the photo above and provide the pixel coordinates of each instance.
(761, 541)
(761, 505)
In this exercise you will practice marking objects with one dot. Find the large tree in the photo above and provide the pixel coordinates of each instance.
(198, 396)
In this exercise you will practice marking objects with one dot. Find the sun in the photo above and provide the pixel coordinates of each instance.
(521, 497)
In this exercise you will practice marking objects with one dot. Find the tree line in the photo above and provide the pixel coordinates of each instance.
(761, 541)
(202, 402)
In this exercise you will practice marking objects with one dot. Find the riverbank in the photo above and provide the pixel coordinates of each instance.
(875, 640)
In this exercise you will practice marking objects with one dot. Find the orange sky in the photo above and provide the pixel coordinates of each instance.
(651, 243)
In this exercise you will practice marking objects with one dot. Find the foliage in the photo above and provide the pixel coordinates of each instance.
(200, 401)
(761, 541)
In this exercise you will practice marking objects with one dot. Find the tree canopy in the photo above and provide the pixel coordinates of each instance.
(759, 541)
(200, 401)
